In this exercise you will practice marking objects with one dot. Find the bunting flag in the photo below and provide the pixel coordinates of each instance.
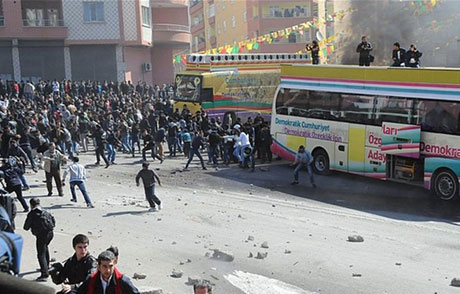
(254, 43)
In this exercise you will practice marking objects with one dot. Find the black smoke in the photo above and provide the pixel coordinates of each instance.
(434, 31)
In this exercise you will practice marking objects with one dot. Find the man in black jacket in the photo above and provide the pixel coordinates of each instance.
(197, 143)
(11, 173)
(148, 177)
(107, 279)
(399, 55)
(77, 267)
(99, 136)
(364, 49)
(413, 57)
(42, 224)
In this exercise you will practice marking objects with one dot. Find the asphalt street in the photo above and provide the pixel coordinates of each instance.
(410, 238)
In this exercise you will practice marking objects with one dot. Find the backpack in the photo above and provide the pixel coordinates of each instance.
(47, 222)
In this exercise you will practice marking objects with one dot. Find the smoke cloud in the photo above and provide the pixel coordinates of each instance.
(435, 31)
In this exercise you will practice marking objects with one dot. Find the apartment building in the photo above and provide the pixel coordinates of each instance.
(92, 39)
(218, 23)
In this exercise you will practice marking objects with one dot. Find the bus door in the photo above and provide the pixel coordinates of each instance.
(401, 145)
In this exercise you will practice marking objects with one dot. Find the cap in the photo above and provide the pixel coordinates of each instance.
(237, 127)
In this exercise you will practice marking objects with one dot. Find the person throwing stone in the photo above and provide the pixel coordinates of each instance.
(148, 177)
(303, 159)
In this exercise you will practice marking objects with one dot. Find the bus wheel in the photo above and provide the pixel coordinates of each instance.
(321, 162)
(446, 185)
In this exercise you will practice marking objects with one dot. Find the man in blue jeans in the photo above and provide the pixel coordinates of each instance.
(77, 178)
(148, 177)
(303, 159)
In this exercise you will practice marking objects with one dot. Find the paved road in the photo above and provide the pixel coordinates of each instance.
(410, 239)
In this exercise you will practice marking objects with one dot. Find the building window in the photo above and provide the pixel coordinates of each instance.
(2, 20)
(146, 16)
(211, 10)
(255, 11)
(93, 11)
(232, 1)
(224, 24)
(233, 21)
(223, 4)
(245, 15)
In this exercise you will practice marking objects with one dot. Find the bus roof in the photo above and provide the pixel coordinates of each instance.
(435, 83)
(219, 62)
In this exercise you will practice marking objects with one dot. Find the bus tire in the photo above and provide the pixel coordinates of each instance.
(445, 185)
(321, 162)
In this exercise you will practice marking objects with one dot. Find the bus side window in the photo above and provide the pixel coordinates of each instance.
(281, 100)
(393, 109)
(441, 117)
(357, 108)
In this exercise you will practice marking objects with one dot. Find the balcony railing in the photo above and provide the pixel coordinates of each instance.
(2, 21)
(166, 27)
(43, 22)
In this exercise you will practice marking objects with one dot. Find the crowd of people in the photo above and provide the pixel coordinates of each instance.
(47, 125)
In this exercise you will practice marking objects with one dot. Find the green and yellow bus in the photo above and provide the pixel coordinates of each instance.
(398, 124)
(231, 85)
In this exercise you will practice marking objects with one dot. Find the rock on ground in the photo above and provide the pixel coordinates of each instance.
(177, 274)
(455, 282)
(355, 238)
(221, 255)
(139, 276)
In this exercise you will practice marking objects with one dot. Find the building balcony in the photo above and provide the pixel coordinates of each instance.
(212, 19)
(36, 30)
(43, 23)
(195, 5)
(168, 3)
(171, 34)
(197, 28)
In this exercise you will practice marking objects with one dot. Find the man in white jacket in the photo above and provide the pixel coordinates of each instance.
(78, 178)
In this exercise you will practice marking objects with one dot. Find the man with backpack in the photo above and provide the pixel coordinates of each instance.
(42, 223)
(107, 279)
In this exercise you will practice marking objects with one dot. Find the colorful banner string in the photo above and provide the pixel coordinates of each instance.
(255, 43)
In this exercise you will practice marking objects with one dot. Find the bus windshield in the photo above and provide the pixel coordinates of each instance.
(188, 88)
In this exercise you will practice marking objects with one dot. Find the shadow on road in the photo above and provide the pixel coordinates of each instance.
(387, 199)
(21, 275)
(126, 212)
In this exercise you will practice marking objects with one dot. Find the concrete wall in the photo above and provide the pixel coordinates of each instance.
(41, 60)
(6, 63)
(170, 16)
(95, 62)
(79, 30)
(162, 68)
(134, 58)
(130, 20)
